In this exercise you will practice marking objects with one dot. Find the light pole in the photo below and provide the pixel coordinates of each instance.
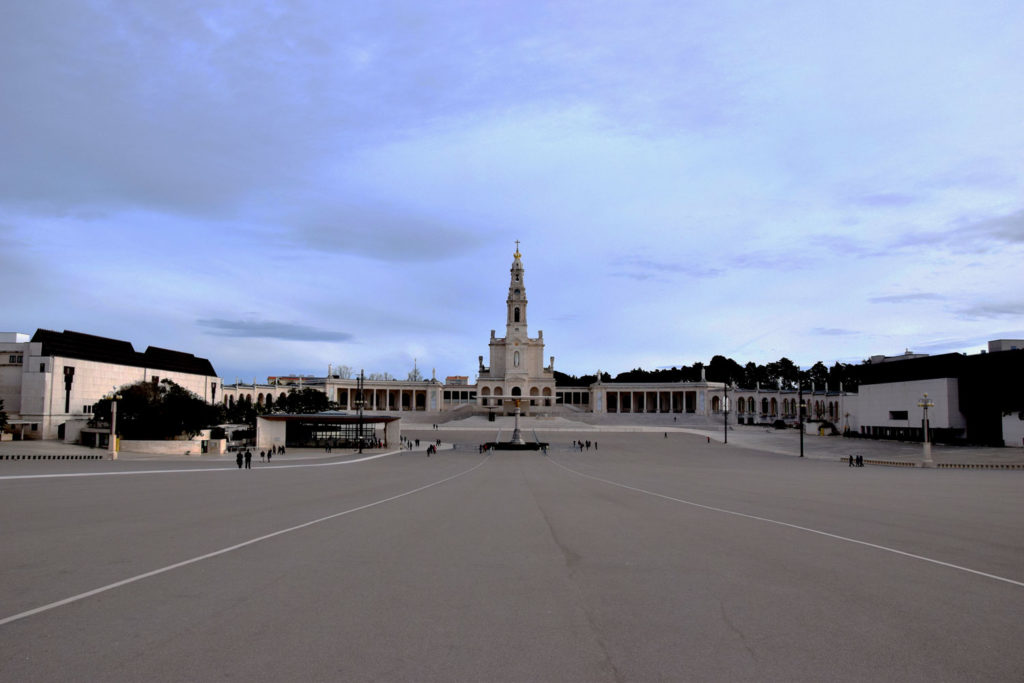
(359, 405)
(926, 403)
(800, 407)
(113, 425)
(725, 413)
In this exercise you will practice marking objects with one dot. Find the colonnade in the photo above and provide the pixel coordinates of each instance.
(657, 401)
(397, 400)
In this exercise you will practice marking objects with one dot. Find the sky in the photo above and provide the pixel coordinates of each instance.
(280, 186)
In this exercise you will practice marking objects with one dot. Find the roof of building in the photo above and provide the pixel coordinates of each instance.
(82, 346)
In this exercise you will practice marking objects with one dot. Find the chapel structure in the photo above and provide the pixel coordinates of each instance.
(516, 374)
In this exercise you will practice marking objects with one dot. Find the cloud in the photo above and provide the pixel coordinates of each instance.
(270, 330)
(883, 199)
(988, 311)
(833, 331)
(906, 298)
(1008, 228)
(641, 268)
(383, 233)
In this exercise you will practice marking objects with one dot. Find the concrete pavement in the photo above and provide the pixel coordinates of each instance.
(645, 559)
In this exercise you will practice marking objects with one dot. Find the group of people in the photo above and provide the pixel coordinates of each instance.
(580, 445)
(244, 456)
(856, 461)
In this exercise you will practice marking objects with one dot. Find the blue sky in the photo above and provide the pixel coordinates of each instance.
(278, 186)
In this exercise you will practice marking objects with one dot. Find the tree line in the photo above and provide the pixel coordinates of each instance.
(165, 410)
(782, 373)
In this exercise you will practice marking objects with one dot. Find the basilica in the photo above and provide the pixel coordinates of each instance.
(515, 376)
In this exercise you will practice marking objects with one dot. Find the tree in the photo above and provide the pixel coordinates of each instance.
(722, 369)
(379, 376)
(415, 375)
(308, 400)
(343, 371)
(157, 411)
(818, 374)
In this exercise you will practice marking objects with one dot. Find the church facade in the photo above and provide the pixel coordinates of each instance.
(516, 374)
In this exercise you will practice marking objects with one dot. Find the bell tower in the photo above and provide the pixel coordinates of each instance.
(516, 375)
(515, 319)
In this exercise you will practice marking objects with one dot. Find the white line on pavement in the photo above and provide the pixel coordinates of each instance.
(223, 551)
(196, 469)
(792, 526)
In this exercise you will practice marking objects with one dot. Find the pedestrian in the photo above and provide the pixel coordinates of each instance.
(666, 436)
(263, 456)
(860, 461)
(248, 459)
(851, 461)
(269, 454)
(595, 445)
(709, 438)
(238, 459)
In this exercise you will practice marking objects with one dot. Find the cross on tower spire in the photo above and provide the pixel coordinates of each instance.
(517, 249)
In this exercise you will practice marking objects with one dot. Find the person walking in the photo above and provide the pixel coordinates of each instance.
(238, 459)
(269, 454)
(248, 459)
(851, 461)
(263, 456)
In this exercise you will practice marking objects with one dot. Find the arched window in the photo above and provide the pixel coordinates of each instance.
(764, 406)
(750, 405)
(740, 405)
(516, 391)
(515, 356)
(486, 391)
(534, 391)
(517, 292)
(775, 407)
(716, 404)
(515, 314)
(497, 391)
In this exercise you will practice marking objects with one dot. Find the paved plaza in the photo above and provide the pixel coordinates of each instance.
(647, 557)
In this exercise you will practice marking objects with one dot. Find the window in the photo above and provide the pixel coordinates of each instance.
(897, 414)
(42, 367)
(516, 314)
(16, 359)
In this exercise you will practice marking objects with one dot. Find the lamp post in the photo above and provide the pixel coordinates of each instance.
(725, 413)
(800, 407)
(926, 403)
(359, 406)
(113, 425)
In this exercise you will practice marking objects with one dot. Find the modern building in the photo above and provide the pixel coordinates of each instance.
(971, 396)
(50, 382)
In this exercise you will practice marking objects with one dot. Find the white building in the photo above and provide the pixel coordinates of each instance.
(49, 383)
(516, 374)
